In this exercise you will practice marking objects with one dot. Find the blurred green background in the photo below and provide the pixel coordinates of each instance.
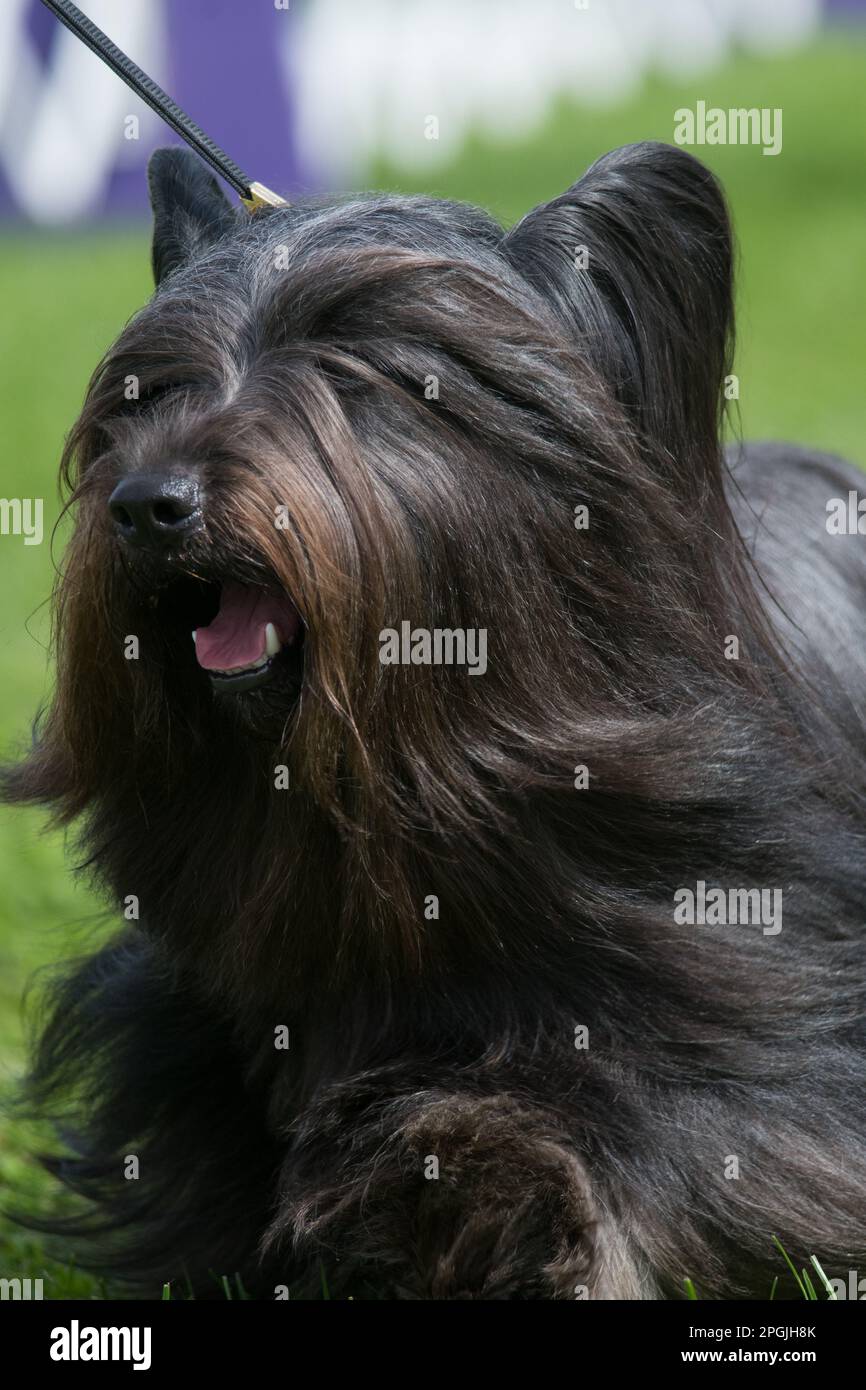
(801, 224)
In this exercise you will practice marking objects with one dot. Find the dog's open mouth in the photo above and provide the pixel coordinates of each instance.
(245, 635)
(239, 647)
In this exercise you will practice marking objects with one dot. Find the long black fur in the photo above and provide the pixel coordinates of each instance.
(284, 359)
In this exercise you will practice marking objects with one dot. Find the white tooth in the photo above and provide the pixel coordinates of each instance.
(194, 635)
(272, 640)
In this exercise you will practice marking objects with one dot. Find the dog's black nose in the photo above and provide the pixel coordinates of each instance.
(156, 511)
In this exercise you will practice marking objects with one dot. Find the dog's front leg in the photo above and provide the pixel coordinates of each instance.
(438, 1195)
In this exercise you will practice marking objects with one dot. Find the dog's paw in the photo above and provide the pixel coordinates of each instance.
(457, 1196)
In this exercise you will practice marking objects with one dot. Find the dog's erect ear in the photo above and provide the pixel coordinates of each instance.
(637, 259)
(189, 208)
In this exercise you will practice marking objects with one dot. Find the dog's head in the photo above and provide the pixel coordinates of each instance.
(335, 418)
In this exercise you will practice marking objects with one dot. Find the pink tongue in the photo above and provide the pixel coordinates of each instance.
(236, 637)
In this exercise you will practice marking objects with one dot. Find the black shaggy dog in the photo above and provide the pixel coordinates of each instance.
(411, 1000)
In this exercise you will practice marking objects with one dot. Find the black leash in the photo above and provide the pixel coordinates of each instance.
(253, 195)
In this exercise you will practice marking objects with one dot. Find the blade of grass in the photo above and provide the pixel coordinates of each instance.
(831, 1292)
(800, 1284)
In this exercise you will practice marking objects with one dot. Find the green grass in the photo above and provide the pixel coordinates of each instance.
(64, 299)
(801, 222)
(802, 1281)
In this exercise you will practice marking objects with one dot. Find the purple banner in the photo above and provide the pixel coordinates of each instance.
(74, 140)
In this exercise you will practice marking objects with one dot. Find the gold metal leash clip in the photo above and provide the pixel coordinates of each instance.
(262, 197)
